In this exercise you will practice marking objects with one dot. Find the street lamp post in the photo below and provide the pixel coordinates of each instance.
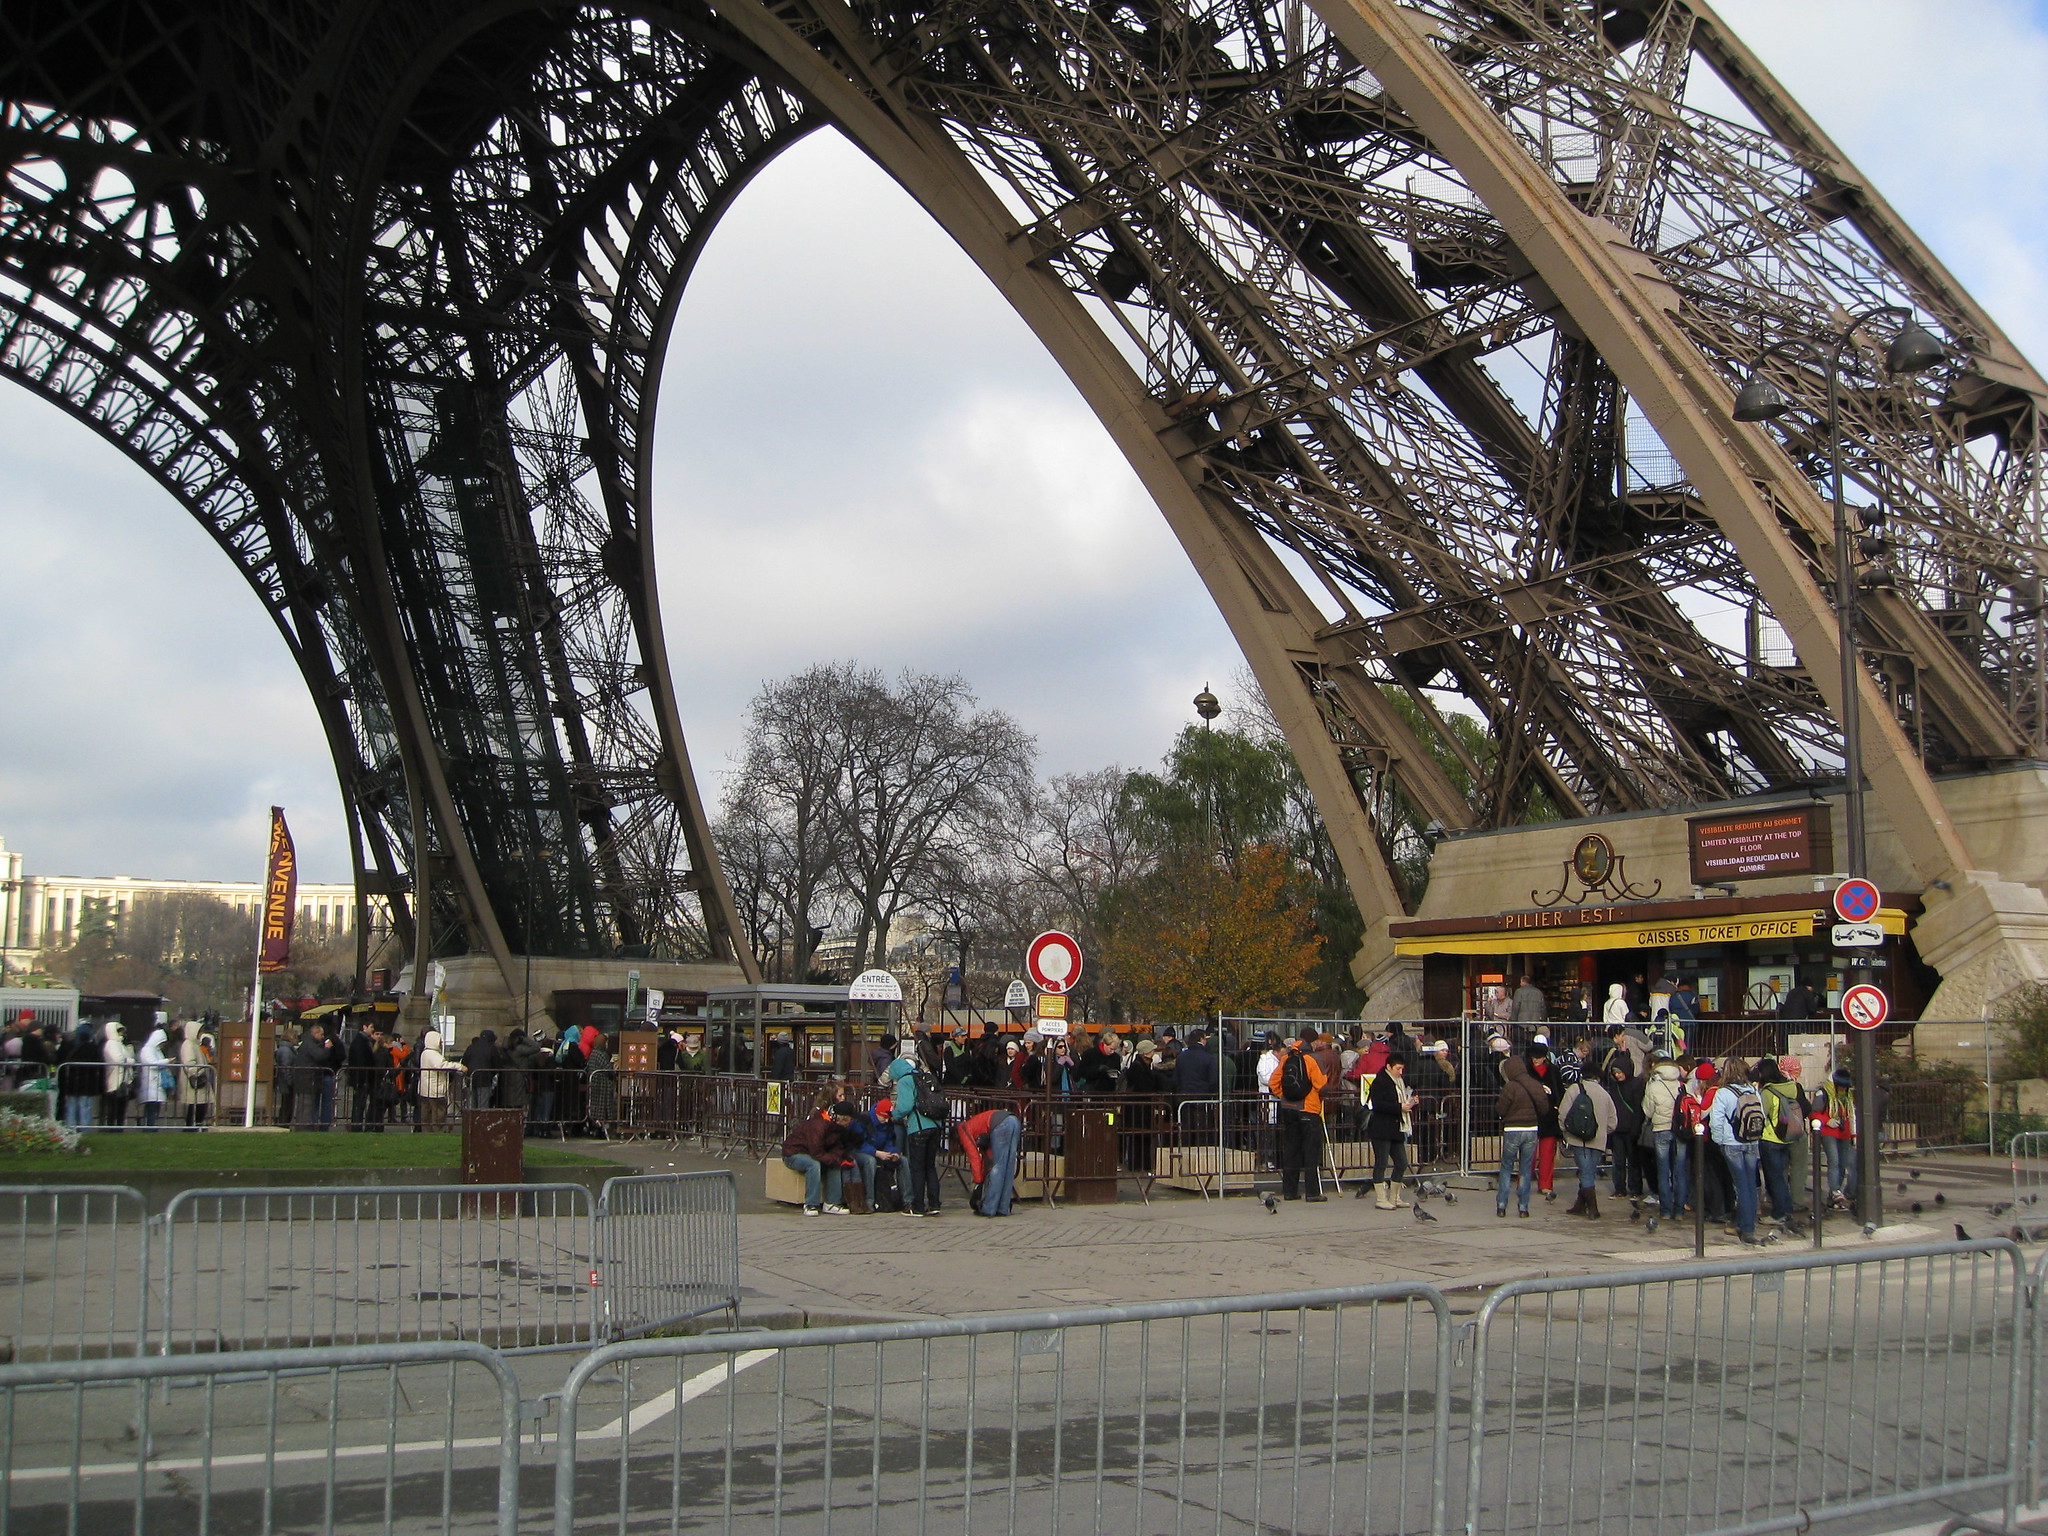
(1208, 707)
(1912, 350)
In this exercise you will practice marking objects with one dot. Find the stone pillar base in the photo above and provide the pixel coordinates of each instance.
(1987, 936)
(1392, 983)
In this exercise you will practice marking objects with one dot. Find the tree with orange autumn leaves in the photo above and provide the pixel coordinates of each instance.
(1203, 935)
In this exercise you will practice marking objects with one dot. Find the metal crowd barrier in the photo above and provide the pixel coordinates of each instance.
(2030, 1179)
(511, 1265)
(74, 1271)
(1758, 1395)
(669, 1247)
(338, 1440)
(1717, 1399)
(1307, 1412)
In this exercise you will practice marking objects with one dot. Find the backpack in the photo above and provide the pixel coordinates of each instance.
(1294, 1083)
(927, 1098)
(1791, 1123)
(1582, 1120)
(1749, 1116)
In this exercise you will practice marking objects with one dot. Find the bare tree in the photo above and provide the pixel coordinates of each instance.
(925, 775)
(780, 827)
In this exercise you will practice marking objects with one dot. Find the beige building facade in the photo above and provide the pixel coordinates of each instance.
(39, 912)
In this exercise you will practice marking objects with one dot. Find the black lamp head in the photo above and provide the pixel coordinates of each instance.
(1207, 705)
(1914, 350)
(1760, 400)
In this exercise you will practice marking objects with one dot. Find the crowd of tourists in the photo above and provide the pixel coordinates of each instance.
(369, 1076)
(1730, 1138)
(1668, 1133)
(108, 1074)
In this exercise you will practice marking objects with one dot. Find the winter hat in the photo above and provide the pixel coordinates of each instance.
(1789, 1065)
(1843, 1078)
(1147, 1048)
(1704, 1072)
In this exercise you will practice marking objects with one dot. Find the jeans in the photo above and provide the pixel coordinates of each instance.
(326, 1113)
(1674, 1163)
(1743, 1161)
(1588, 1159)
(821, 1184)
(921, 1171)
(1777, 1158)
(1841, 1155)
(999, 1188)
(1301, 1152)
(78, 1109)
(543, 1116)
(864, 1166)
(1517, 1163)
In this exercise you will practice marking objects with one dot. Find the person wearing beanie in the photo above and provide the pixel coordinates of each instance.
(821, 1148)
(1834, 1104)
(1711, 1176)
(1784, 1127)
(1544, 1070)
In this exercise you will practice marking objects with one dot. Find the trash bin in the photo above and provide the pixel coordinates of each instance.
(494, 1152)
(1090, 1149)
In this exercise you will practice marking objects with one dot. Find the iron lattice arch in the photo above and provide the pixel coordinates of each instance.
(380, 292)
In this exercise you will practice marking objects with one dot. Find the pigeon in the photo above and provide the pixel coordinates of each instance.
(1870, 1229)
(2001, 1208)
(1916, 1207)
(1635, 1212)
(1902, 1186)
(1961, 1235)
(1449, 1198)
(1422, 1215)
(1940, 1198)
(1651, 1224)
(1916, 1173)
(1272, 1202)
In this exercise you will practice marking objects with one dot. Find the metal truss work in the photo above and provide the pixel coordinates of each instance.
(1421, 323)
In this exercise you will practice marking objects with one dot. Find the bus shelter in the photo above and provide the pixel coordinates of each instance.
(830, 1031)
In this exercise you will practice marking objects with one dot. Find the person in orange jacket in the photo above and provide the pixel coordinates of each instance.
(1298, 1083)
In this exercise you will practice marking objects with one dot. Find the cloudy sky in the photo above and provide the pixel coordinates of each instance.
(862, 454)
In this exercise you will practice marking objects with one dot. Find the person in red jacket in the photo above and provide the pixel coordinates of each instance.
(990, 1141)
(821, 1149)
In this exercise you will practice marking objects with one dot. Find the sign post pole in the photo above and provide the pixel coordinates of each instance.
(1857, 901)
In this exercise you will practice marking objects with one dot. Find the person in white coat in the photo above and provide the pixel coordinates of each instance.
(1615, 1009)
(196, 1086)
(152, 1064)
(119, 1056)
(435, 1072)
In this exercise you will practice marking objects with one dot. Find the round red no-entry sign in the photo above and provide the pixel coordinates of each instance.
(1053, 961)
(1865, 1007)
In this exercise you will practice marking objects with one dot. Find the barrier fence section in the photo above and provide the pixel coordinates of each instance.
(509, 1265)
(1762, 1395)
(356, 1439)
(1308, 1412)
(74, 1271)
(669, 1249)
(2030, 1178)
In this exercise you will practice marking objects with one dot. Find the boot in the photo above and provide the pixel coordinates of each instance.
(1592, 1205)
(1398, 1203)
(1578, 1206)
(1379, 1198)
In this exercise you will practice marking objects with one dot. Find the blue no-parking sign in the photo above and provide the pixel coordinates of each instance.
(1856, 901)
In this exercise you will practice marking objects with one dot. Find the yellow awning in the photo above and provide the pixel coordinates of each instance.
(323, 1010)
(1674, 934)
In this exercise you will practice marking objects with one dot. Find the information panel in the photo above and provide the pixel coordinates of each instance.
(1755, 845)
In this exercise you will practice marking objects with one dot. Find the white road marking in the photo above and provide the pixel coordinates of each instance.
(652, 1411)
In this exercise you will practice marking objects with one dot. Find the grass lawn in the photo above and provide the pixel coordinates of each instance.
(173, 1151)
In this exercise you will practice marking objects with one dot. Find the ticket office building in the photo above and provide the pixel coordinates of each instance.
(1583, 905)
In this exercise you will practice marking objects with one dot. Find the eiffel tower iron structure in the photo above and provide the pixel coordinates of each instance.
(1422, 324)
